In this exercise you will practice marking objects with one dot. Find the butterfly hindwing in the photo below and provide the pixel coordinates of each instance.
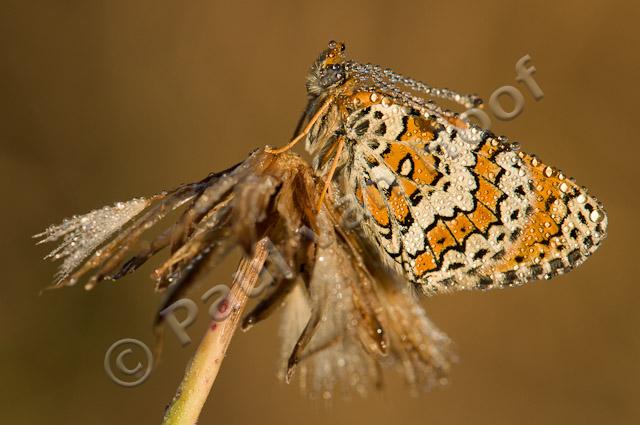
(454, 212)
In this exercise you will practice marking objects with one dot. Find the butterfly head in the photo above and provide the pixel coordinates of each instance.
(328, 71)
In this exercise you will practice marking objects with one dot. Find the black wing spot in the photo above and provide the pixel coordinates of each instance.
(362, 128)
(498, 255)
(588, 242)
(556, 265)
(574, 233)
(515, 235)
(536, 271)
(510, 277)
(362, 113)
(519, 190)
(455, 266)
(403, 163)
(382, 130)
(573, 257)
(498, 177)
(484, 282)
(515, 214)
(394, 255)
(480, 254)
(415, 198)
(519, 258)
(378, 115)
(550, 200)
(447, 282)
(405, 121)
(407, 222)
(581, 218)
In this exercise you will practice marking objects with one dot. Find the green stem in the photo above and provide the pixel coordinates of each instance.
(201, 373)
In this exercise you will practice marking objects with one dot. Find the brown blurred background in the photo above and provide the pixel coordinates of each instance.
(105, 100)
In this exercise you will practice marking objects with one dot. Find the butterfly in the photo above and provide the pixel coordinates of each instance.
(448, 205)
(403, 189)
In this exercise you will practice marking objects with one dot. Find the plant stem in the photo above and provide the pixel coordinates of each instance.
(194, 389)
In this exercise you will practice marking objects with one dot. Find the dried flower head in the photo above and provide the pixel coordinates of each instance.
(345, 316)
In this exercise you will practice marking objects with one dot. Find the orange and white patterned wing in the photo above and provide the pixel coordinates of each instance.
(457, 208)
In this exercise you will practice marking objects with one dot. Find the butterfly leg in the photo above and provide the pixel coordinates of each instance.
(267, 305)
(331, 343)
(329, 177)
(303, 341)
(323, 109)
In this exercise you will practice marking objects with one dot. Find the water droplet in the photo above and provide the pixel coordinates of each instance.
(564, 187)
(596, 216)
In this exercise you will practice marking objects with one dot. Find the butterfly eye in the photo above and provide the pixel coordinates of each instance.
(332, 75)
